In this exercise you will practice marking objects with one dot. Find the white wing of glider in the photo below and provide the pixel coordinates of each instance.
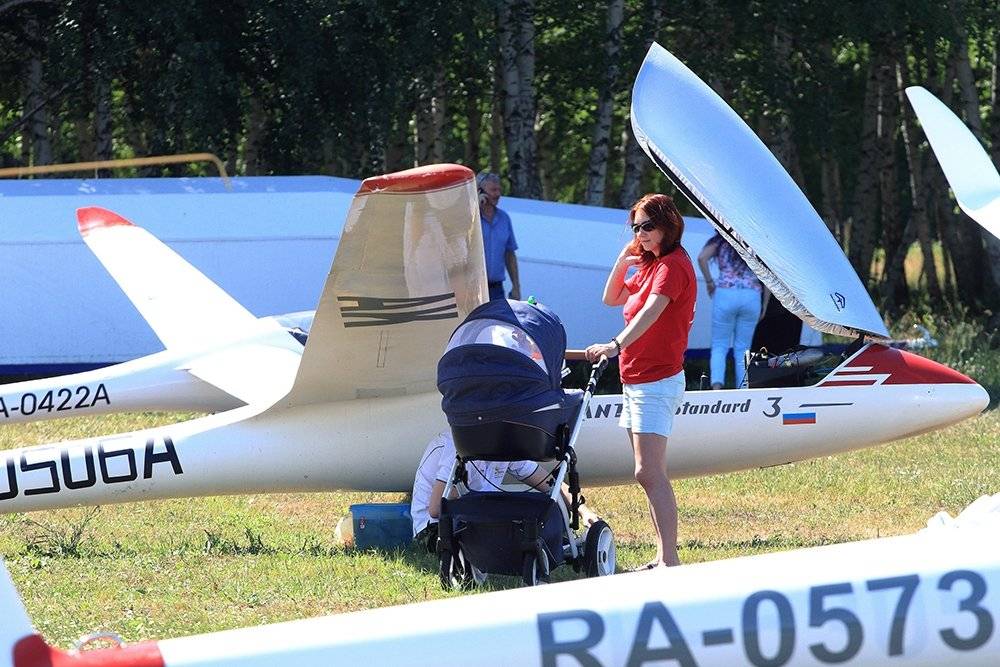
(252, 359)
(409, 267)
(969, 170)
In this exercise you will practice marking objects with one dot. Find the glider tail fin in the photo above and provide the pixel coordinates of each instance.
(408, 269)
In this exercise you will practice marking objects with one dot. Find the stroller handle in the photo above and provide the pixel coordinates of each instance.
(596, 370)
(595, 373)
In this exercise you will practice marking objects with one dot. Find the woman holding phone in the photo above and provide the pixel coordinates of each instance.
(659, 303)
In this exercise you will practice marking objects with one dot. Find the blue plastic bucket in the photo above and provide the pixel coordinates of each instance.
(382, 525)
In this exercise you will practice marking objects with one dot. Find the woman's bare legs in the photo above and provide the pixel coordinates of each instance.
(651, 473)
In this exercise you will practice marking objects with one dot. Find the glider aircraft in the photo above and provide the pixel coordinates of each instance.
(354, 407)
(923, 599)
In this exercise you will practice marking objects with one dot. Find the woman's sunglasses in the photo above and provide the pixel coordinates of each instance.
(647, 226)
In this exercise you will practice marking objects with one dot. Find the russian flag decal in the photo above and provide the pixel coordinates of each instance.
(798, 418)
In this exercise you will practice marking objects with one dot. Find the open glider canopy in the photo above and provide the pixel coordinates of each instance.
(408, 269)
(711, 155)
(971, 174)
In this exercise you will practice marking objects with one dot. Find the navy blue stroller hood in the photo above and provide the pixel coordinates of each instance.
(504, 362)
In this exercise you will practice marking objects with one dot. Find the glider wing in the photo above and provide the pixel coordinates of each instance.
(969, 170)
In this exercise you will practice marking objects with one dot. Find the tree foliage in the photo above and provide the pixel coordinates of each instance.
(357, 87)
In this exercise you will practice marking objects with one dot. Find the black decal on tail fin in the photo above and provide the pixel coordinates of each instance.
(371, 311)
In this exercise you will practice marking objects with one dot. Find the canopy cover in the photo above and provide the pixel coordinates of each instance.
(711, 155)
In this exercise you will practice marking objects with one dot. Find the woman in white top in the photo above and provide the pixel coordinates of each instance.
(432, 476)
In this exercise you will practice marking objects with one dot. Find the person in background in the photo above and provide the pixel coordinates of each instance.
(736, 307)
(659, 302)
(498, 238)
(432, 476)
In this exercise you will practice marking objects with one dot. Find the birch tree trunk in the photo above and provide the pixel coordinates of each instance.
(597, 170)
(918, 195)
(959, 234)
(994, 113)
(516, 34)
(34, 103)
(970, 101)
(832, 194)
(780, 127)
(430, 121)
(103, 130)
(474, 120)
(636, 161)
(894, 235)
(866, 191)
(399, 150)
(255, 127)
(496, 122)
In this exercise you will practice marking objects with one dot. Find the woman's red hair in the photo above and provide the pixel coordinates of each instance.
(664, 214)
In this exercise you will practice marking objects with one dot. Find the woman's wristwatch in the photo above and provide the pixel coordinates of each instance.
(618, 345)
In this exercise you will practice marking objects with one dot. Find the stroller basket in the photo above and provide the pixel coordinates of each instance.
(496, 529)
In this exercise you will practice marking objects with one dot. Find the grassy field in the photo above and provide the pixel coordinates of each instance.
(169, 568)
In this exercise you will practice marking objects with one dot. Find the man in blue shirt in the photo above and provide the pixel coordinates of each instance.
(498, 238)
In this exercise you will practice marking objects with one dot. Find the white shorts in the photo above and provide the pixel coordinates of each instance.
(649, 407)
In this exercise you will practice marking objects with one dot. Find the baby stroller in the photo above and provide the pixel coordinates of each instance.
(500, 378)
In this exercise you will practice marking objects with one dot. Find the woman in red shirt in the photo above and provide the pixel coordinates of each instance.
(659, 300)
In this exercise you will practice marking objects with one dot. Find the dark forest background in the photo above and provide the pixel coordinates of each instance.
(537, 90)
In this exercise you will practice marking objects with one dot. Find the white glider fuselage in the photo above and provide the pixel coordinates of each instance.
(878, 395)
(354, 408)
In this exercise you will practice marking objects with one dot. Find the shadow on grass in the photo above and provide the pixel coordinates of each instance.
(756, 544)
(417, 557)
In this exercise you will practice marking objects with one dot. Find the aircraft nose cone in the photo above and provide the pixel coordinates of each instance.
(980, 399)
(911, 368)
(880, 365)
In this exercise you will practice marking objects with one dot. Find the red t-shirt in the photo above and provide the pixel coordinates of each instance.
(659, 353)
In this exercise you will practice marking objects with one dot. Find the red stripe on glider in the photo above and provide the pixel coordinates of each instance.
(90, 218)
(901, 367)
(32, 651)
(422, 179)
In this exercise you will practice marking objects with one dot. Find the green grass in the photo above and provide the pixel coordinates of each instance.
(168, 568)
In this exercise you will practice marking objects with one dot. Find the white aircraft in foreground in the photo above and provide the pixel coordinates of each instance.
(355, 407)
(928, 599)
(970, 172)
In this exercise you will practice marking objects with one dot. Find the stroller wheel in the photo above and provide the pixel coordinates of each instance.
(535, 568)
(599, 556)
(457, 572)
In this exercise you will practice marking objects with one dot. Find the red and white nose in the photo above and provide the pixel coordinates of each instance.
(886, 366)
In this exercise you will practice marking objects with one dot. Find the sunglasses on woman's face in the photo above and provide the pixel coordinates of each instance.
(647, 226)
